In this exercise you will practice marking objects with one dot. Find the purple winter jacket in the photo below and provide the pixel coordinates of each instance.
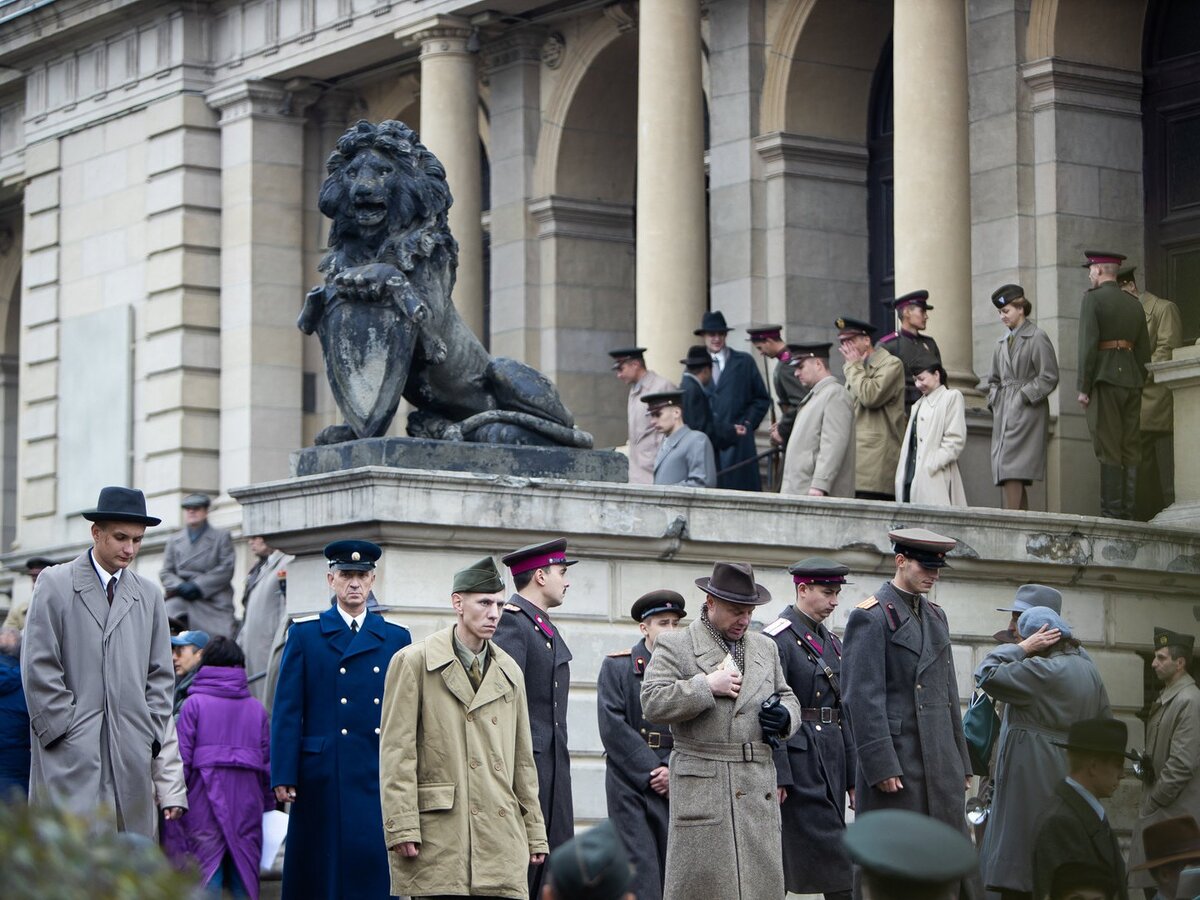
(225, 743)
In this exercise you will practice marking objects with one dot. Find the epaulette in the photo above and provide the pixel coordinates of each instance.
(512, 607)
(938, 611)
(890, 336)
(312, 618)
(777, 627)
(869, 603)
(617, 653)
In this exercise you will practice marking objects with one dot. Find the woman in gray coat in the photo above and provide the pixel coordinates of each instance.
(1046, 682)
(1024, 373)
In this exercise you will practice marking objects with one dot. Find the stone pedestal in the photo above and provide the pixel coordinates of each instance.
(1182, 375)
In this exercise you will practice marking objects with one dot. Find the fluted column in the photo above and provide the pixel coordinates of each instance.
(450, 128)
(932, 172)
(671, 232)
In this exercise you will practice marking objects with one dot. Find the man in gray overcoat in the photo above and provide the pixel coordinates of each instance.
(722, 690)
(686, 456)
(197, 571)
(96, 666)
(265, 605)
(821, 452)
(901, 691)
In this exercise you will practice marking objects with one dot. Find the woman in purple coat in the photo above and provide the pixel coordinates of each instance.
(225, 743)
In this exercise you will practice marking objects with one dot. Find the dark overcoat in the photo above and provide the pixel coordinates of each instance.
(902, 693)
(1070, 831)
(917, 351)
(206, 562)
(789, 393)
(325, 741)
(817, 763)
(739, 398)
(697, 413)
(633, 748)
(527, 635)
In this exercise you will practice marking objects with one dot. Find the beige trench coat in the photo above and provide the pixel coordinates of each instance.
(644, 438)
(456, 774)
(1173, 742)
(1020, 380)
(820, 452)
(1166, 335)
(725, 831)
(98, 682)
(877, 386)
(941, 436)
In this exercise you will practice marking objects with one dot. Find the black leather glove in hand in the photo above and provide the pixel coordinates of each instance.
(774, 719)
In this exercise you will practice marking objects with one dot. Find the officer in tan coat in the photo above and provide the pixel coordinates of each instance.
(875, 380)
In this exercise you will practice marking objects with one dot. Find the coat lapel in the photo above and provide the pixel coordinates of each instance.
(496, 683)
(189, 549)
(756, 671)
(87, 586)
(335, 630)
(369, 637)
(128, 592)
(908, 633)
(934, 637)
(708, 654)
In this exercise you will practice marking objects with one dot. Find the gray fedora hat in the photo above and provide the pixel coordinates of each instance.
(1031, 595)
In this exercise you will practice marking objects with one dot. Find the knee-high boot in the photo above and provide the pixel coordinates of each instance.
(1129, 492)
(1111, 490)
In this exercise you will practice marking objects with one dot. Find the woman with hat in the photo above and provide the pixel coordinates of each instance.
(1024, 373)
(1046, 682)
(722, 690)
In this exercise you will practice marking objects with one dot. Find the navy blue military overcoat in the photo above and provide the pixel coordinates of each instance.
(325, 741)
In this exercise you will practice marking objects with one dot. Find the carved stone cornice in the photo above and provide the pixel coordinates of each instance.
(812, 157)
(1062, 83)
(258, 98)
(588, 219)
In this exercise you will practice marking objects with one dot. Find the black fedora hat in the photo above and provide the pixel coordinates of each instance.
(712, 321)
(120, 504)
(1103, 736)
(734, 582)
(697, 357)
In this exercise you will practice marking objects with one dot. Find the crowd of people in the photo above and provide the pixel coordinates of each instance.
(441, 767)
(894, 428)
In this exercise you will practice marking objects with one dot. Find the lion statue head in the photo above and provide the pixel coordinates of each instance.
(387, 197)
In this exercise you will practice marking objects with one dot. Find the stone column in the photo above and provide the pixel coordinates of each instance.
(1181, 374)
(671, 234)
(932, 172)
(262, 280)
(450, 129)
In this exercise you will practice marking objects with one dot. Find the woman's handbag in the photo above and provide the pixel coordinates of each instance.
(981, 727)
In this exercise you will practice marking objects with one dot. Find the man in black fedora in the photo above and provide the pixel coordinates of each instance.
(1075, 827)
(97, 673)
(722, 690)
(739, 401)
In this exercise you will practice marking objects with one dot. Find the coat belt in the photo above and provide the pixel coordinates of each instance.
(1115, 345)
(1038, 729)
(751, 751)
(658, 740)
(826, 715)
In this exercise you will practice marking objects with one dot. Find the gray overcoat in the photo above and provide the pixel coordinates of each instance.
(1043, 695)
(265, 609)
(207, 563)
(725, 827)
(821, 452)
(1020, 381)
(98, 684)
(686, 457)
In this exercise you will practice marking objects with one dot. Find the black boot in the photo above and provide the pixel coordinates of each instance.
(1129, 492)
(1111, 489)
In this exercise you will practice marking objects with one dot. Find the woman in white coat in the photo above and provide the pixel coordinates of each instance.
(935, 437)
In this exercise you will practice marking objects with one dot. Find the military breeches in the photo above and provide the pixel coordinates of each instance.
(1112, 416)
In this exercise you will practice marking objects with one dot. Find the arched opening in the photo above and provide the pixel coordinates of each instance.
(880, 198)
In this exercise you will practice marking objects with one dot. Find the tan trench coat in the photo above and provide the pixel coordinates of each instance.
(725, 829)
(877, 386)
(1166, 335)
(941, 428)
(644, 438)
(1020, 380)
(820, 452)
(1173, 742)
(98, 681)
(456, 774)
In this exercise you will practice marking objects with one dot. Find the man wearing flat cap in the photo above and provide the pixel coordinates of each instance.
(1075, 827)
(739, 401)
(767, 339)
(96, 668)
(821, 452)
(875, 380)
(636, 750)
(901, 691)
(527, 634)
(1114, 348)
(721, 688)
(1171, 785)
(460, 805)
(325, 736)
(905, 855)
(644, 439)
(815, 768)
(592, 866)
(686, 456)
(197, 571)
(917, 351)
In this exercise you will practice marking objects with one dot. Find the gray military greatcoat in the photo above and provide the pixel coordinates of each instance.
(725, 830)
(206, 562)
(98, 683)
(1024, 373)
(266, 606)
(686, 457)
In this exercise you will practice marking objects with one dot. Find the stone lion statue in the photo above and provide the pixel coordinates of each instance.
(384, 316)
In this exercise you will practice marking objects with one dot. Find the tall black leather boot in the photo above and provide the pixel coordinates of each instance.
(1111, 490)
(1129, 492)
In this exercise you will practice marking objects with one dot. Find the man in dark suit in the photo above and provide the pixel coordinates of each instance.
(325, 736)
(1074, 827)
(197, 572)
(636, 777)
(527, 635)
(739, 400)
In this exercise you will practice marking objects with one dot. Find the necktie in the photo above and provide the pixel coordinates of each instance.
(354, 625)
(716, 368)
(475, 673)
(111, 589)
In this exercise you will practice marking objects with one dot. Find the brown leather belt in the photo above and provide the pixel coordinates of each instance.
(658, 740)
(826, 715)
(1115, 345)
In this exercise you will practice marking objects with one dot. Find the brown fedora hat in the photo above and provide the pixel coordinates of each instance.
(734, 582)
(1169, 841)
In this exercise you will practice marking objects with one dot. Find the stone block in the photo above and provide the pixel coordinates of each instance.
(991, 43)
(1122, 674)
(993, 93)
(171, 471)
(39, 420)
(42, 158)
(1134, 616)
(38, 496)
(181, 389)
(39, 305)
(102, 253)
(179, 111)
(191, 187)
(1120, 195)
(993, 194)
(41, 193)
(183, 147)
(39, 381)
(41, 230)
(179, 347)
(1096, 138)
(40, 344)
(182, 308)
(189, 226)
(40, 464)
(191, 267)
(993, 142)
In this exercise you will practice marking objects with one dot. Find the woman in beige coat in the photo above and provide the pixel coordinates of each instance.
(935, 437)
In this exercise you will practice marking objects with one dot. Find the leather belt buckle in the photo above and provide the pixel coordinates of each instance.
(826, 715)
(654, 739)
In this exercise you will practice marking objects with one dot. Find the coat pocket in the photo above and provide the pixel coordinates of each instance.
(435, 797)
(894, 724)
(312, 744)
(694, 799)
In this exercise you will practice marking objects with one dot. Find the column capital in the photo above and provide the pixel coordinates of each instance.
(440, 36)
(518, 45)
(258, 98)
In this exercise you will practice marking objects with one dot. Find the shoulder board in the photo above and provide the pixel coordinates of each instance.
(617, 653)
(890, 336)
(312, 618)
(512, 607)
(779, 626)
(869, 603)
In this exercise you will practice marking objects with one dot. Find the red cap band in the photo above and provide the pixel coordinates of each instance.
(818, 579)
(536, 562)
